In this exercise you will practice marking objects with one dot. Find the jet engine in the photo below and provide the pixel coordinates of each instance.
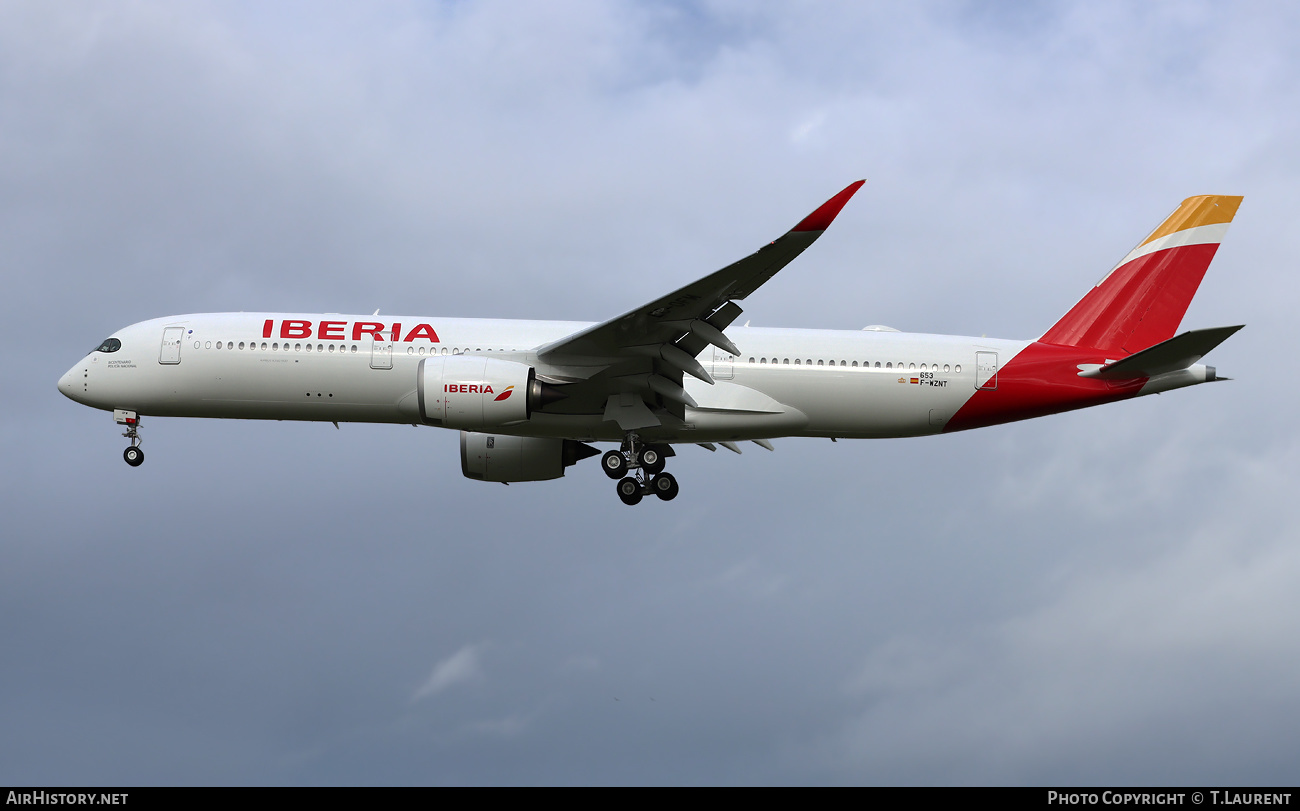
(474, 391)
(496, 458)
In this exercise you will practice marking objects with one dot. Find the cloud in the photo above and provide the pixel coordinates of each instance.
(1113, 669)
(462, 666)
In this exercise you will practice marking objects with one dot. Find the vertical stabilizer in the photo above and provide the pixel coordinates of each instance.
(1142, 300)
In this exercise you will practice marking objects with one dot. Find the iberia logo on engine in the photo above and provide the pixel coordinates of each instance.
(472, 388)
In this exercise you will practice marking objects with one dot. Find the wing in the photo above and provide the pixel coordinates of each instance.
(630, 368)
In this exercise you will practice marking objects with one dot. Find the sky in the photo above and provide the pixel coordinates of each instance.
(1105, 597)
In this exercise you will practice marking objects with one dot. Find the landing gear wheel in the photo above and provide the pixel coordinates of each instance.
(665, 486)
(629, 491)
(652, 461)
(133, 456)
(614, 465)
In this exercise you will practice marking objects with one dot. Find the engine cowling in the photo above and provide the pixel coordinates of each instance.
(474, 391)
(497, 458)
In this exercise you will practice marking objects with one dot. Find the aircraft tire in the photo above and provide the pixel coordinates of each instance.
(133, 456)
(629, 491)
(614, 464)
(665, 486)
(652, 461)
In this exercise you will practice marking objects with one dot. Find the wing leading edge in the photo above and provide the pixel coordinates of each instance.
(630, 365)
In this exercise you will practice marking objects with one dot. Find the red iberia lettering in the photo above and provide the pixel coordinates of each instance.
(331, 330)
(266, 328)
(421, 331)
(367, 328)
(295, 329)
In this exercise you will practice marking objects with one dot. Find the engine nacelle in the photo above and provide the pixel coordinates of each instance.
(474, 391)
(496, 458)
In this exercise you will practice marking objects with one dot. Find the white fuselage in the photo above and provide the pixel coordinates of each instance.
(786, 381)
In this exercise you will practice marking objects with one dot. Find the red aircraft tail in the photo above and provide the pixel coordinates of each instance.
(1142, 300)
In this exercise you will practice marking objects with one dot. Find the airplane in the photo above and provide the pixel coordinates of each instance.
(530, 397)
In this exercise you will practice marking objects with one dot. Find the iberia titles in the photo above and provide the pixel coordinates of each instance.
(345, 330)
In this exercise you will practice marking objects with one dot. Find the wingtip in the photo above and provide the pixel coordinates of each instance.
(822, 218)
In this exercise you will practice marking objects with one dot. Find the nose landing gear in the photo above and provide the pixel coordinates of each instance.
(646, 464)
(133, 455)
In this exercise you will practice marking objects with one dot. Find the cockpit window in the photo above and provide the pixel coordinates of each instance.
(110, 345)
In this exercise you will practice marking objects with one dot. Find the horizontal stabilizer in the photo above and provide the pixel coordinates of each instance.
(1176, 353)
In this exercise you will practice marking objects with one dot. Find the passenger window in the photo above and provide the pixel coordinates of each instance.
(855, 364)
(945, 368)
(354, 349)
(923, 367)
(889, 365)
(751, 360)
(911, 365)
(297, 347)
(796, 361)
(785, 361)
(820, 363)
(331, 347)
(957, 368)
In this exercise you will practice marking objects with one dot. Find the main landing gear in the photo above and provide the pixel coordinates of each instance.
(646, 463)
(133, 455)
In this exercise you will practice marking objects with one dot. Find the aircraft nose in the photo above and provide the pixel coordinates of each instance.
(68, 383)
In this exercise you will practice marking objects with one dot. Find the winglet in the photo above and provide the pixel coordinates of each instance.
(822, 218)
